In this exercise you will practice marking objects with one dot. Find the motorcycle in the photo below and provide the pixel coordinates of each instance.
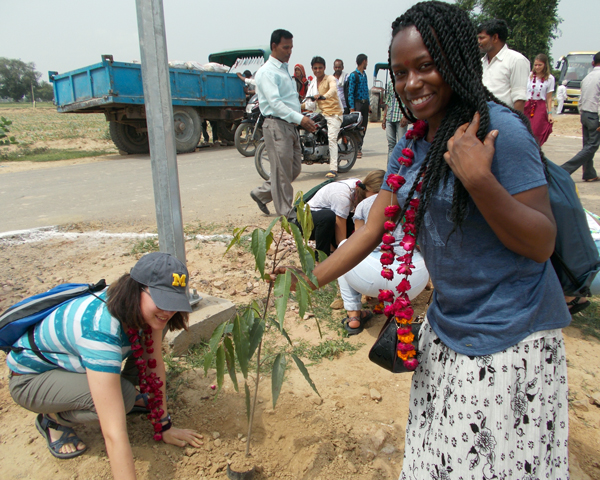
(315, 146)
(249, 131)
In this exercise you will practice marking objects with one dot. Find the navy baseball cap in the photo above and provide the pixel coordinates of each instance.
(166, 278)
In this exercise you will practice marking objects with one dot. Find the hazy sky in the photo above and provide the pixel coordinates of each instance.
(63, 35)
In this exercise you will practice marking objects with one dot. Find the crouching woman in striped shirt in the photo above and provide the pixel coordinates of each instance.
(76, 378)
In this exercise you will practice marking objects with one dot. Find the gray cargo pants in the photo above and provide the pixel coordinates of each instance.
(285, 157)
(67, 394)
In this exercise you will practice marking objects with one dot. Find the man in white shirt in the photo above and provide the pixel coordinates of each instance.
(279, 104)
(505, 71)
(561, 96)
(589, 108)
(340, 78)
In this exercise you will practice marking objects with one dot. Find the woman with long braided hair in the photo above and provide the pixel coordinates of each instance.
(489, 394)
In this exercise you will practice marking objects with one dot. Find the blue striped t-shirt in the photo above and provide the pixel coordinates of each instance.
(85, 335)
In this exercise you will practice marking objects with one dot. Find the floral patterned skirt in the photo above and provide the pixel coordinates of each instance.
(501, 416)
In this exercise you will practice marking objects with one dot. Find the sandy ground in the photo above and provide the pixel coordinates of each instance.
(343, 434)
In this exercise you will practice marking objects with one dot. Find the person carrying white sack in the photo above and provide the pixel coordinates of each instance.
(366, 279)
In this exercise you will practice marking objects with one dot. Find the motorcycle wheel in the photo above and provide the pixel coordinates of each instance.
(261, 161)
(243, 141)
(347, 151)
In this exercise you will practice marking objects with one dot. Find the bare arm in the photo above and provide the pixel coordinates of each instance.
(174, 436)
(549, 104)
(519, 105)
(360, 244)
(108, 400)
(524, 222)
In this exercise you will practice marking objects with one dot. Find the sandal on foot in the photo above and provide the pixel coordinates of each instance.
(575, 306)
(140, 408)
(363, 320)
(331, 174)
(44, 423)
(595, 179)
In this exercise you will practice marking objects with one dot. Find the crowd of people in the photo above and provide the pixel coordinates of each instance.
(472, 174)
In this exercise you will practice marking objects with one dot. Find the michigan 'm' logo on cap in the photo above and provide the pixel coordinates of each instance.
(178, 281)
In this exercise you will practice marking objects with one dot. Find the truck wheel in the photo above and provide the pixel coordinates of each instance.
(375, 115)
(226, 131)
(127, 139)
(261, 161)
(243, 139)
(347, 151)
(188, 129)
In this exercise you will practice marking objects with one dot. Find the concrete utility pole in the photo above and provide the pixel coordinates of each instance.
(159, 118)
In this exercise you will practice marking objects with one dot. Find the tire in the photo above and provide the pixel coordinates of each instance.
(188, 129)
(347, 151)
(261, 161)
(242, 140)
(127, 139)
(226, 131)
(375, 115)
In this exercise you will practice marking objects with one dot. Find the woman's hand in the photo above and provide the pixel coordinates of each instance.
(182, 437)
(550, 119)
(468, 157)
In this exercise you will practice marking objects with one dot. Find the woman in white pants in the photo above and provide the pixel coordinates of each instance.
(366, 279)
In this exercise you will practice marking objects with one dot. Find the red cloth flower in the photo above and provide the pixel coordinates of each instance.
(405, 269)
(158, 436)
(414, 203)
(411, 364)
(403, 286)
(378, 309)
(395, 181)
(389, 226)
(408, 243)
(391, 210)
(387, 273)
(419, 187)
(407, 152)
(404, 331)
(387, 248)
(389, 310)
(409, 228)
(410, 215)
(388, 239)
(406, 162)
(405, 347)
(151, 363)
(387, 258)
(407, 312)
(385, 296)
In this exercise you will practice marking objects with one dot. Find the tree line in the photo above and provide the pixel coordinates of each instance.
(19, 79)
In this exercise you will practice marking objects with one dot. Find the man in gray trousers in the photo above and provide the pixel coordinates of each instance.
(279, 104)
(589, 108)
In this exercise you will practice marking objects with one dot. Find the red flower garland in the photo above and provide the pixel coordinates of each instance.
(400, 306)
(149, 383)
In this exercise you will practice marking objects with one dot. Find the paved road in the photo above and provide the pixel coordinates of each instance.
(215, 185)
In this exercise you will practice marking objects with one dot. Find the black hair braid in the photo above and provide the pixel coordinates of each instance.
(451, 40)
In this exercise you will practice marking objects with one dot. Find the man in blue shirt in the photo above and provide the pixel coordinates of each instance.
(358, 95)
(279, 104)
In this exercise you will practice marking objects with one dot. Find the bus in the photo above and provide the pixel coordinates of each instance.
(573, 68)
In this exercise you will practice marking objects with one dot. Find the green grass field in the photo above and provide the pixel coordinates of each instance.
(33, 127)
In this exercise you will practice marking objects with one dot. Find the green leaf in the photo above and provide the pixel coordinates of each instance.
(282, 330)
(305, 373)
(302, 297)
(230, 359)
(282, 294)
(256, 335)
(208, 358)
(248, 399)
(241, 346)
(237, 235)
(307, 260)
(277, 376)
(285, 224)
(275, 220)
(220, 366)
(259, 249)
(216, 337)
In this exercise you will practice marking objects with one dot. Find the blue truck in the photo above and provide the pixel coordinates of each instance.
(115, 89)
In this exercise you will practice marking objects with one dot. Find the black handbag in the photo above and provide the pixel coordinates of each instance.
(384, 351)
